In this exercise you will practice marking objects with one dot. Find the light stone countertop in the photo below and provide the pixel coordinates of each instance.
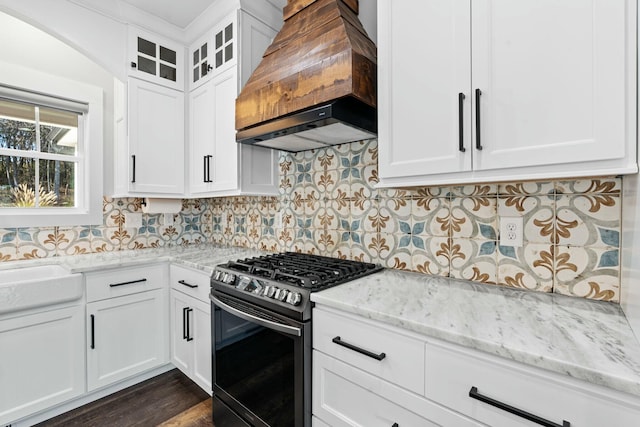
(201, 257)
(588, 340)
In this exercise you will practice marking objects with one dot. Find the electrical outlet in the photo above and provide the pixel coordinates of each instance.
(511, 231)
(168, 219)
(132, 219)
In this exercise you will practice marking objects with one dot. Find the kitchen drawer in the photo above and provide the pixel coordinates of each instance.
(195, 283)
(346, 396)
(451, 372)
(403, 361)
(114, 283)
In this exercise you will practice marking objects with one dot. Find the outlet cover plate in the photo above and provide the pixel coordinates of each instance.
(511, 231)
(132, 220)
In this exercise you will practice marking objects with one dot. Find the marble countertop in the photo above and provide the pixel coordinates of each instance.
(201, 257)
(588, 340)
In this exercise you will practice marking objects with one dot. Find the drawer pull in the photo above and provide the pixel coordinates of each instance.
(395, 425)
(113, 285)
(338, 341)
(473, 393)
(182, 282)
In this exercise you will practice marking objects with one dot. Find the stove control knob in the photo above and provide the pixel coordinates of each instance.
(294, 298)
(228, 278)
(217, 274)
(281, 294)
(270, 291)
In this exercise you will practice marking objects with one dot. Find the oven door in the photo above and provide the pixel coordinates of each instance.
(261, 366)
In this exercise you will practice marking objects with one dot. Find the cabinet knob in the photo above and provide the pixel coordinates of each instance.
(134, 65)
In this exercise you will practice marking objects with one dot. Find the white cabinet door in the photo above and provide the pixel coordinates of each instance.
(200, 65)
(156, 139)
(202, 138)
(214, 151)
(552, 78)
(423, 83)
(191, 338)
(200, 322)
(42, 361)
(181, 353)
(126, 336)
(155, 59)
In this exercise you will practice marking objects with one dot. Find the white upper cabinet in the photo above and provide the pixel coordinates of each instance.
(155, 58)
(218, 166)
(156, 140)
(505, 90)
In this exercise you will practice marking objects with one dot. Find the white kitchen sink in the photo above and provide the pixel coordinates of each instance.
(30, 287)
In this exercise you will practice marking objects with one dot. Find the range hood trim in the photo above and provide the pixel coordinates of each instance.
(347, 111)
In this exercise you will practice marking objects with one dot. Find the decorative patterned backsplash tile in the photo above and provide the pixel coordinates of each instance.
(328, 205)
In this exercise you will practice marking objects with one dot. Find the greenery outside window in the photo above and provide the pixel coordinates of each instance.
(39, 155)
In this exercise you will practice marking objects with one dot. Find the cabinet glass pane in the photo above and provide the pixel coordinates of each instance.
(196, 74)
(146, 47)
(228, 33)
(228, 52)
(219, 40)
(203, 51)
(219, 60)
(57, 183)
(167, 72)
(146, 65)
(167, 55)
(17, 125)
(196, 56)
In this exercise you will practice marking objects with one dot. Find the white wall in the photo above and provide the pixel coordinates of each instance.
(33, 48)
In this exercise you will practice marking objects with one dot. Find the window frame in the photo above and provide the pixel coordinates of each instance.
(53, 91)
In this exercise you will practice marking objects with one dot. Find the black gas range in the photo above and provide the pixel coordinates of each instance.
(261, 330)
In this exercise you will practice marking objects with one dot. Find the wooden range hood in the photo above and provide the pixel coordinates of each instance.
(316, 83)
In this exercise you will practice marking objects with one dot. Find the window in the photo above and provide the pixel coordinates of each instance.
(39, 158)
(50, 150)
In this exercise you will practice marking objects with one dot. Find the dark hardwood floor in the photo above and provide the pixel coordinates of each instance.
(168, 400)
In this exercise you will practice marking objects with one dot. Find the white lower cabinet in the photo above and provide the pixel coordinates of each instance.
(191, 338)
(126, 334)
(42, 360)
(190, 321)
(452, 371)
(461, 386)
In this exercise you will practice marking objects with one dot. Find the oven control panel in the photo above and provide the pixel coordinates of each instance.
(259, 287)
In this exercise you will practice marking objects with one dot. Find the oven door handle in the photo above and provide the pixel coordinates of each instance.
(285, 329)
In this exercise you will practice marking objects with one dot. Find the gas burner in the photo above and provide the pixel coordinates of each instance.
(284, 281)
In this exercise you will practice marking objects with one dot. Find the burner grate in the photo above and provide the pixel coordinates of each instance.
(312, 272)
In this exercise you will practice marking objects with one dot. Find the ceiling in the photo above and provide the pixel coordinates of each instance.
(180, 12)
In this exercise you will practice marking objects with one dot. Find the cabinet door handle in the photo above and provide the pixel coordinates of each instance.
(478, 141)
(380, 356)
(189, 337)
(133, 174)
(113, 285)
(182, 282)
(473, 393)
(395, 425)
(184, 323)
(207, 160)
(204, 169)
(461, 123)
(93, 332)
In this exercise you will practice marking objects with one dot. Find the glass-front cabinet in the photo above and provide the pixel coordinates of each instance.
(155, 59)
(214, 52)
